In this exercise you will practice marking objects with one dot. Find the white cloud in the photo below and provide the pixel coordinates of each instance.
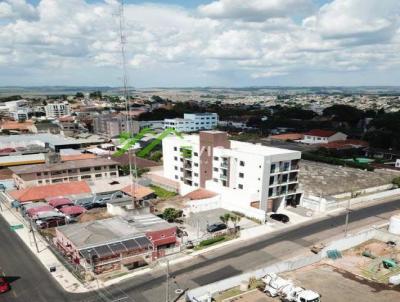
(254, 10)
(227, 40)
(14, 9)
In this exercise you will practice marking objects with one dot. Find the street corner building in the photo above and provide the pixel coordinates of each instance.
(116, 244)
(249, 178)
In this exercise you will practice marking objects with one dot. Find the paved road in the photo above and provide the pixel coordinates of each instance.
(35, 281)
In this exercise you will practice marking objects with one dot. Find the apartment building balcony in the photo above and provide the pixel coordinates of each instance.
(223, 177)
(224, 165)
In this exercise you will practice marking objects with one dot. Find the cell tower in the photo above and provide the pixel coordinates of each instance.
(126, 97)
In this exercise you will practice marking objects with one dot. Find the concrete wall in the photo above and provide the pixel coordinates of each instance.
(195, 206)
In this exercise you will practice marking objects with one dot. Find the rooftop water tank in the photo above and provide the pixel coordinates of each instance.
(394, 225)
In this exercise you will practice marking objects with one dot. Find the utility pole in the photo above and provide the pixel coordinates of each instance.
(34, 236)
(347, 218)
(167, 283)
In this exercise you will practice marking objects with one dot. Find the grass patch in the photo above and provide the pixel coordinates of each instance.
(228, 294)
(162, 193)
(213, 241)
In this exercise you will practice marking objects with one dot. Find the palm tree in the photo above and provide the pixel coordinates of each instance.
(225, 218)
(235, 220)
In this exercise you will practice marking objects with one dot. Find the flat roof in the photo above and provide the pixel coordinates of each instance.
(14, 160)
(83, 163)
(34, 138)
(99, 232)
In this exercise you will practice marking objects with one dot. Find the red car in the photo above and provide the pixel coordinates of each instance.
(4, 285)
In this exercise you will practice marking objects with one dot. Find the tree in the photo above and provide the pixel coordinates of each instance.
(156, 156)
(170, 214)
(225, 218)
(235, 220)
(344, 113)
(79, 95)
(95, 94)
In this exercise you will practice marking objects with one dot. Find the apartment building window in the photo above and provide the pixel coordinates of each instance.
(215, 169)
(84, 169)
(271, 180)
(196, 174)
(241, 163)
(273, 168)
(113, 167)
(175, 158)
(241, 175)
(176, 177)
(285, 178)
(56, 173)
(196, 164)
(86, 177)
(175, 149)
(240, 186)
(196, 154)
(98, 175)
(270, 192)
(215, 157)
(113, 174)
(286, 166)
(40, 182)
(196, 184)
(57, 180)
(176, 168)
(97, 168)
(38, 174)
(215, 179)
(45, 173)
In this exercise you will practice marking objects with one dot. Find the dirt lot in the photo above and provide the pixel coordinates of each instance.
(333, 285)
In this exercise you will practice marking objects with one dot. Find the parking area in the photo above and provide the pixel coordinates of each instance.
(205, 218)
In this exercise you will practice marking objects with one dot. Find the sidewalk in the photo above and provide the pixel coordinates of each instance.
(64, 277)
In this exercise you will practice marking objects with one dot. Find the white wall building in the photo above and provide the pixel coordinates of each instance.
(19, 110)
(56, 110)
(317, 136)
(245, 174)
(193, 122)
(397, 164)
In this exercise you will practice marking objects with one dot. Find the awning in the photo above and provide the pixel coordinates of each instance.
(116, 248)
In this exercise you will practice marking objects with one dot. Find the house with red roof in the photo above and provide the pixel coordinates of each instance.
(47, 191)
(318, 136)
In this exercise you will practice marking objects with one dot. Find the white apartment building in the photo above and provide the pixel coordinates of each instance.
(193, 122)
(18, 110)
(57, 110)
(249, 175)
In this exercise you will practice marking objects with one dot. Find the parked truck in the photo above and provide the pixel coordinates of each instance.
(276, 286)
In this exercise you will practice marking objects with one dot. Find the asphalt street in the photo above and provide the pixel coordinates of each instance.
(32, 282)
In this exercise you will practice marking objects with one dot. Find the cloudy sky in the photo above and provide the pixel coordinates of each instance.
(181, 43)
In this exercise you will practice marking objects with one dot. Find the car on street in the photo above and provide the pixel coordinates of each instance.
(280, 217)
(4, 285)
(215, 227)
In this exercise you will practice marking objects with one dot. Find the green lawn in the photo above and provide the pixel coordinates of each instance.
(162, 193)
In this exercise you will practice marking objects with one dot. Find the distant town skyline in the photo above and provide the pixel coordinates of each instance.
(194, 43)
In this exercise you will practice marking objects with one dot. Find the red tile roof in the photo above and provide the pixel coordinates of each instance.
(140, 191)
(200, 194)
(59, 201)
(73, 210)
(345, 144)
(320, 133)
(288, 136)
(54, 190)
(77, 157)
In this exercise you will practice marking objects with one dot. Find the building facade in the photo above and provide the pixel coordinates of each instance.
(317, 136)
(18, 110)
(111, 126)
(263, 177)
(193, 122)
(56, 110)
(60, 172)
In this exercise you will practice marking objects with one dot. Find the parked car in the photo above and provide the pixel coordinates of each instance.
(50, 223)
(216, 227)
(280, 217)
(4, 285)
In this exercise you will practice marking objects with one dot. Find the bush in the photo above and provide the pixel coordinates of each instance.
(396, 181)
(212, 241)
